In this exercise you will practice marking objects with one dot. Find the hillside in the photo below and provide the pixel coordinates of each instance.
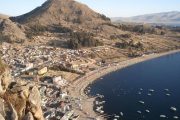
(62, 16)
(70, 24)
(62, 12)
(169, 18)
(11, 32)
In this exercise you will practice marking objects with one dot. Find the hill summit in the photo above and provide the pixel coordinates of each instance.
(64, 12)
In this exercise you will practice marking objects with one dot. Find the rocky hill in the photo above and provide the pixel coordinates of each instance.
(169, 18)
(53, 16)
(55, 21)
(56, 16)
(62, 12)
(11, 32)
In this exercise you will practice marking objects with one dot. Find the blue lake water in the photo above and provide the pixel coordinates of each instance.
(122, 89)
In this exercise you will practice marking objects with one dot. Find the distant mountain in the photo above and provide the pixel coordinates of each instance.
(169, 18)
(2, 16)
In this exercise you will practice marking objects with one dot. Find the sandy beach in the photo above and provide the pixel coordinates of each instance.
(78, 86)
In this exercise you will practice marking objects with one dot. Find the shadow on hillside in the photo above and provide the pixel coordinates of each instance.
(58, 43)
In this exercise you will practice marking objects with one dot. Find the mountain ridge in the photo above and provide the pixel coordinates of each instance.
(172, 17)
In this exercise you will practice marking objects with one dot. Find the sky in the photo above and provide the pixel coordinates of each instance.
(111, 8)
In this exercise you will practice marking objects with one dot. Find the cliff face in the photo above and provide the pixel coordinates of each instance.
(19, 100)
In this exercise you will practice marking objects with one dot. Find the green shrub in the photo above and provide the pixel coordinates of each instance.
(142, 29)
(60, 29)
(4, 38)
(120, 36)
(122, 45)
(104, 17)
(129, 44)
(35, 30)
(82, 39)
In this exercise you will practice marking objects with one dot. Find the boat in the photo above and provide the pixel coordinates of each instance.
(101, 111)
(151, 90)
(121, 113)
(116, 116)
(96, 102)
(162, 116)
(139, 112)
(102, 102)
(149, 94)
(173, 109)
(100, 96)
(142, 102)
(176, 117)
(168, 94)
(141, 89)
(166, 90)
(139, 93)
(147, 111)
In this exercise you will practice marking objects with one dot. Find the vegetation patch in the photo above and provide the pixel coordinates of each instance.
(142, 29)
(104, 17)
(129, 44)
(120, 36)
(82, 39)
(35, 30)
(60, 29)
(4, 38)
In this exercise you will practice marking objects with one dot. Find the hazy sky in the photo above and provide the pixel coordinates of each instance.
(111, 8)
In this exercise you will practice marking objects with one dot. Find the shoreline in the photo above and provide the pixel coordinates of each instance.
(78, 86)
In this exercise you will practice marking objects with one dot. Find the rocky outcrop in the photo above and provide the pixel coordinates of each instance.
(28, 116)
(34, 100)
(19, 100)
(5, 80)
(25, 99)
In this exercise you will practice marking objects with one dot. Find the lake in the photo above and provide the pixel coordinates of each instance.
(143, 91)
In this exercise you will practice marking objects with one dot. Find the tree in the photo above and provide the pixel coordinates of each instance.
(82, 39)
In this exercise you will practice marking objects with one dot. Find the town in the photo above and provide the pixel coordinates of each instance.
(53, 70)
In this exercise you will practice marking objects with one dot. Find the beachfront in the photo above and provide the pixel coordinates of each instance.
(77, 88)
